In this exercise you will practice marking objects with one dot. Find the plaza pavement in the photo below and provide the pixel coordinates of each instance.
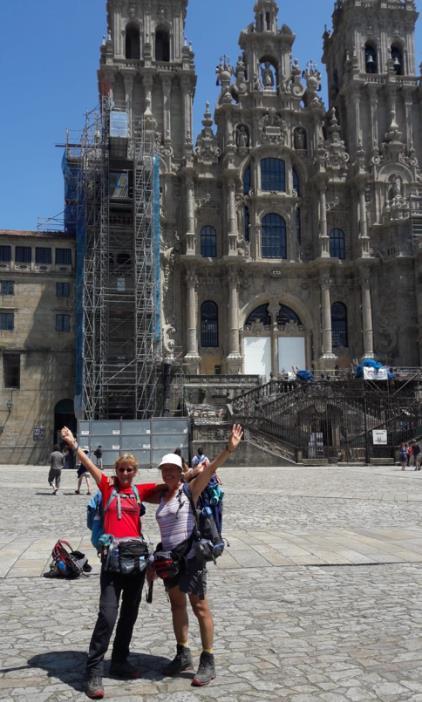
(318, 597)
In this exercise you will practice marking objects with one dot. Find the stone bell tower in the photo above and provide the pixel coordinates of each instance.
(370, 59)
(374, 88)
(149, 66)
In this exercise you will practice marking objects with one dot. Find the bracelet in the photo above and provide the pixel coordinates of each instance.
(229, 450)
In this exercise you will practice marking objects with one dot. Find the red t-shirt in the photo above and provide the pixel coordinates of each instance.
(128, 525)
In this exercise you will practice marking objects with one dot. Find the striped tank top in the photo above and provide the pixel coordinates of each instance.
(175, 520)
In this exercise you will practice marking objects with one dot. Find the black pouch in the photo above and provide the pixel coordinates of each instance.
(127, 557)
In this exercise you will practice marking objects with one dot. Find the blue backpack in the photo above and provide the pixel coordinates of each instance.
(95, 512)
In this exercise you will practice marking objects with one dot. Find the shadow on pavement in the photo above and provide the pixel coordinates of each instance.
(69, 666)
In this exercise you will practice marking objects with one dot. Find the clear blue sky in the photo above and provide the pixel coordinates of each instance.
(49, 53)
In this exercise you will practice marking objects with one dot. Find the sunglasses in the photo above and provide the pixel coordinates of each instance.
(126, 470)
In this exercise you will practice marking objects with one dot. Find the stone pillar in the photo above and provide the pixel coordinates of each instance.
(192, 356)
(372, 90)
(363, 235)
(234, 359)
(273, 311)
(323, 233)
(408, 117)
(148, 95)
(232, 218)
(327, 357)
(187, 103)
(167, 107)
(128, 80)
(368, 333)
(190, 216)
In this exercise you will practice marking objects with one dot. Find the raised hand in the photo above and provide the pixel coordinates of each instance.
(68, 437)
(235, 437)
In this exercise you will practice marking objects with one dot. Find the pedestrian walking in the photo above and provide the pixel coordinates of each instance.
(56, 467)
(417, 456)
(176, 521)
(83, 475)
(98, 453)
(403, 455)
(122, 525)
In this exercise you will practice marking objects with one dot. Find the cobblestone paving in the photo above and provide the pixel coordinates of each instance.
(292, 632)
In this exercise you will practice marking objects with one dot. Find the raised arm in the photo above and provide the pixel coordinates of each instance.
(198, 484)
(70, 440)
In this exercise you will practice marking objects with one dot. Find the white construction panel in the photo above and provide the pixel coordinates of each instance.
(257, 351)
(291, 352)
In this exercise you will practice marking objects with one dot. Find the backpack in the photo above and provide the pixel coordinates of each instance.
(95, 513)
(209, 542)
(67, 563)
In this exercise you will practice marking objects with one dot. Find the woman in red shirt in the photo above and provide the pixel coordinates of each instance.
(122, 522)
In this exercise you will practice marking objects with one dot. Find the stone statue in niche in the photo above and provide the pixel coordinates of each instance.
(267, 75)
(299, 139)
(395, 190)
(242, 136)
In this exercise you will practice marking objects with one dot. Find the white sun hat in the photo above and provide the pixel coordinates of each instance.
(171, 459)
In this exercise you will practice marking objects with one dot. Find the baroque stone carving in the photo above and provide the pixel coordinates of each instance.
(272, 129)
(206, 150)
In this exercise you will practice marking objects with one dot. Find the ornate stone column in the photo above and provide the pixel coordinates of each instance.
(148, 95)
(363, 235)
(234, 359)
(323, 233)
(327, 356)
(232, 218)
(166, 104)
(190, 216)
(367, 327)
(273, 311)
(187, 106)
(192, 356)
(128, 81)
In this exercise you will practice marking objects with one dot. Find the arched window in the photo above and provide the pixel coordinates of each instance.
(246, 223)
(247, 180)
(209, 324)
(208, 242)
(162, 45)
(371, 60)
(337, 244)
(133, 45)
(397, 57)
(273, 175)
(296, 181)
(260, 314)
(339, 325)
(286, 315)
(273, 237)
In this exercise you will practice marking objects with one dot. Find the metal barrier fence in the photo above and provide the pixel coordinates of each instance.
(147, 439)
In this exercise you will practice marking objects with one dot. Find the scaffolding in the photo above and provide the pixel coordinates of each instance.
(115, 208)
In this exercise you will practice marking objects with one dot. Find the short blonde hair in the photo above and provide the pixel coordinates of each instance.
(127, 458)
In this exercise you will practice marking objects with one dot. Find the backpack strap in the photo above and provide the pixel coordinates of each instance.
(187, 491)
(115, 494)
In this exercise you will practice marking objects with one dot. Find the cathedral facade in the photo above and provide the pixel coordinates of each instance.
(289, 228)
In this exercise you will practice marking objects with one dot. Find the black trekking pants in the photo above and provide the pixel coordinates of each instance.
(112, 586)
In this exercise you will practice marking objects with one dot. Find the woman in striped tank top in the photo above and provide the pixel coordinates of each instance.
(176, 522)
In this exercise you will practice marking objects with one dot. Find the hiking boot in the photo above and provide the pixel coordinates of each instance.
(206, 670)
(123, 669)
(182, 661)
(94, 687)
